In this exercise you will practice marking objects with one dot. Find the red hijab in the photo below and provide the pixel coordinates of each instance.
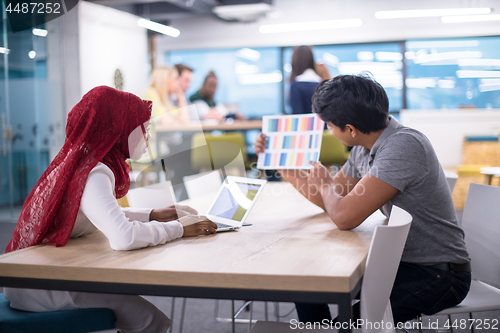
(97, 130)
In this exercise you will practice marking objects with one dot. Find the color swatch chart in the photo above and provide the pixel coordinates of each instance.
(292, 141)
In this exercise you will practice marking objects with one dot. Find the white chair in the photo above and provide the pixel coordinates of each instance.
(202, 183)
(481, 224)
(152, 196)
(451, 178)
(381, 268)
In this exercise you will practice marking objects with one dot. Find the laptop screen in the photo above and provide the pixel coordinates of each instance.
(235, 199)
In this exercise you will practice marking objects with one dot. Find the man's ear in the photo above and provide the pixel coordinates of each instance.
(352, 130)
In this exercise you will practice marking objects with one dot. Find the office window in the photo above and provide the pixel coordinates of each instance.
(383, 61)
(453, 73)
(248, 78)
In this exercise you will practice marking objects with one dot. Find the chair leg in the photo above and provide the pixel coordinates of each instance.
(420, 324)
(265, 311)
(172, 315)
(451, 327)
(251, 315)
(183, 311)
(233, 316)
(277, 310)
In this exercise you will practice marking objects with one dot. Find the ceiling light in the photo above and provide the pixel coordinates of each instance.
(32, 54)
(245, 12)
(161, 28)
(249, 54)
(392, 14)
(40, 32)
(469, 74)
(308, 26)
(437, 57)
(330, 59)
(365, 56)
(472, 18)
(252, 79)
(4, 50)
(421, 82)
(441, 43)
(388, 56)
(479, 62)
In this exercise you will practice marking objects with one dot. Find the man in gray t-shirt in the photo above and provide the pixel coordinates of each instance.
(404, 158)
(389, 165)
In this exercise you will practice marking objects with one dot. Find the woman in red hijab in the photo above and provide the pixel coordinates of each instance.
(77, 194)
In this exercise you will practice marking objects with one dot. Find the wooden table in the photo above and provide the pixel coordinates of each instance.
(292, 252)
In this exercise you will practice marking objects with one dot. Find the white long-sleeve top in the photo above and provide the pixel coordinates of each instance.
(126, 228)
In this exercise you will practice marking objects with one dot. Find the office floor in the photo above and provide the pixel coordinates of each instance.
(200, 313)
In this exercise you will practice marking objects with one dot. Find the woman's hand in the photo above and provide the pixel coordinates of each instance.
(171, 213)
(201, 228)
(260, 143)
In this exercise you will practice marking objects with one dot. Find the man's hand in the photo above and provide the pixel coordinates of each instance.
(171, 213)
(201, 228)
(260, 143)
(319, 176)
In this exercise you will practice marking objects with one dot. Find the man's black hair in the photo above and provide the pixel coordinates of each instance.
(357, 100)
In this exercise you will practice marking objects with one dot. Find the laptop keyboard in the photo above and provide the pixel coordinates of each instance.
(222, 225)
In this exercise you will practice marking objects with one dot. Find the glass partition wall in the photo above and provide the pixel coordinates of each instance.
(31, 108)
(416, 74)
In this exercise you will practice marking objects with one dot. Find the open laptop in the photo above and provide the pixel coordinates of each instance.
(232, 204)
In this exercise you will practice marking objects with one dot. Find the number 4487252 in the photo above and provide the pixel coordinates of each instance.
(477, 324)
(35, 8)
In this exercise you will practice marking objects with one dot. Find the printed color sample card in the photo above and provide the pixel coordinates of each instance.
(292, 141)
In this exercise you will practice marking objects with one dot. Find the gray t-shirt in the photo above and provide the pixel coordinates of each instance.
(404, 158)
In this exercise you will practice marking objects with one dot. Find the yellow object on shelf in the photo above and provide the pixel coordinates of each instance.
(470, 169)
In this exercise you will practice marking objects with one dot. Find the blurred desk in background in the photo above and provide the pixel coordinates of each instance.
(237, 125)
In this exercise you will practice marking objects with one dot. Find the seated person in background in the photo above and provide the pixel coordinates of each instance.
(389, 165)
(165, 83)
(77, 194)
(205, 104)
(185, 75)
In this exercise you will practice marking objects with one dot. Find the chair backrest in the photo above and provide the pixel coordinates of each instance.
(217, 151)
(152, 196)
(381, 267)
(332, 150)
(451, 177)
(202, 183)
(481, 224)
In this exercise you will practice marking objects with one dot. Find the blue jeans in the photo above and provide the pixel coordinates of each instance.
(417, 290)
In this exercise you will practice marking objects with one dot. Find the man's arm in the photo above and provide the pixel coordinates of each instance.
(349, 211)
(299, 179)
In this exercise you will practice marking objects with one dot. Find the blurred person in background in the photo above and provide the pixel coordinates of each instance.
(205, 103)
(185, 75)
(322, 71)
(303, 79)
(164, 84)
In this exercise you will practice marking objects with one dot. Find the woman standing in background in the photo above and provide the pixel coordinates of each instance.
(304, 80)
